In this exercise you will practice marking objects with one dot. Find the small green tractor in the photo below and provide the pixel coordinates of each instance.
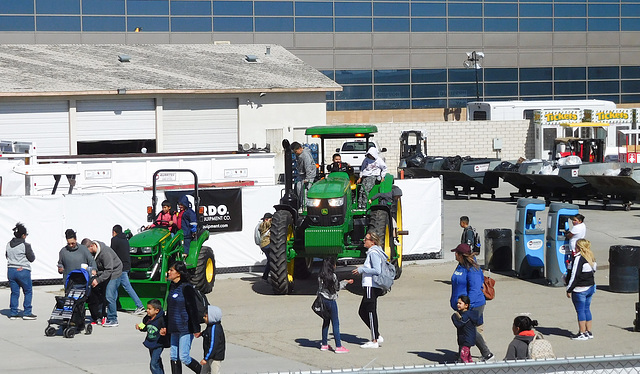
(154, 250)
(325, 220)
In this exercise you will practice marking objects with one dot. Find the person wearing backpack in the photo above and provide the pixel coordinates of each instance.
(469, 235)
(182, 318)
(369, 304)
(523, 330)
(262, 236)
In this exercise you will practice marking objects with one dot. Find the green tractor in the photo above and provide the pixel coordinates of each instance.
(325, 220)
(153, 251)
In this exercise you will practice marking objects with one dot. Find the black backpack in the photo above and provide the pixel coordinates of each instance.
(202, 303)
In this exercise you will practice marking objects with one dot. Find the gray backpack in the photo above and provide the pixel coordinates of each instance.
(387, 273)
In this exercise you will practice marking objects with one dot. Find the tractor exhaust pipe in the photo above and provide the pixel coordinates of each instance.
(289, 197)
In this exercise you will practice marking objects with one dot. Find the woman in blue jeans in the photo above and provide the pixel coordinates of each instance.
(19, 258)
(328, 287)
(581, 286)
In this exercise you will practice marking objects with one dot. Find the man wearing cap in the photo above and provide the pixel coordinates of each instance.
(109, 271)
(73, 255)
(262, 236)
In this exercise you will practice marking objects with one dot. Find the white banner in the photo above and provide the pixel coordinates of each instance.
(93, 216)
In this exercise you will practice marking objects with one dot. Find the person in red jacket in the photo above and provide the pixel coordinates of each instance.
(164, 218)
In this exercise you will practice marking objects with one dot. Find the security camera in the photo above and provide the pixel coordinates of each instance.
(263, 94)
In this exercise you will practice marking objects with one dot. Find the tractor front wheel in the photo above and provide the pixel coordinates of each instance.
(281, 232)
(205, 274)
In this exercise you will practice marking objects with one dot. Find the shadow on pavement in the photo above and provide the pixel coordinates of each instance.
(445, 356)
(554, 331)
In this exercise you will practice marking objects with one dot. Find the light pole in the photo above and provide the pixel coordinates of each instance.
(474, 61)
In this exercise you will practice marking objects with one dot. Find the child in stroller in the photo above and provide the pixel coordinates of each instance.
(69, 311)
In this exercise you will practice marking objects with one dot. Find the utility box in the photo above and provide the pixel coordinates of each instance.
(529, 239)
(558, 252)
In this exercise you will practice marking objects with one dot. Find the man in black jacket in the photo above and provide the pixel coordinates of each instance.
(120, 245)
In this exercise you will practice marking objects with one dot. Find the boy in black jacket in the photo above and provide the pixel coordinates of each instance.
(213, 341)
(151, 324)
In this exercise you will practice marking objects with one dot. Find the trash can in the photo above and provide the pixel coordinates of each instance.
(498, 246)
(558, 253)
(624, 261)
(529, 239)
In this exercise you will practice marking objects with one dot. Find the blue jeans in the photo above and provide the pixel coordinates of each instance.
(156, 361)
(480, 343)
(126, 284)
(111, 295)
(582, 303)
(331, 306)
(20, 279)
(181, 347)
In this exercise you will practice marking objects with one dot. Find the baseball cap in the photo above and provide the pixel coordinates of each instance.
(267, 216)
(463, 249)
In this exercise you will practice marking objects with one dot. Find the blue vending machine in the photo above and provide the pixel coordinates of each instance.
(558, 252)
(529, 239)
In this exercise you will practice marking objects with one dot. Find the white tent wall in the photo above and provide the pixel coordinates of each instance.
(93, 216)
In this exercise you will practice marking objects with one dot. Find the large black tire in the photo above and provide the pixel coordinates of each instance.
(205, 272)
(281, 231)
(378, 223)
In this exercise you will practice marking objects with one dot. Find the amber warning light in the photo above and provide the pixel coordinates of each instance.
(149, 210)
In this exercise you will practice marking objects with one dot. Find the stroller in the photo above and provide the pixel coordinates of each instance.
(69, 312)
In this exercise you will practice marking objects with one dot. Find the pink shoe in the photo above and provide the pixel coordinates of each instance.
(324, 347)
(341, 350)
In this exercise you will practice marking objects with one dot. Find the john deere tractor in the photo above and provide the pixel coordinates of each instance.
(325, 219)
(154, 250)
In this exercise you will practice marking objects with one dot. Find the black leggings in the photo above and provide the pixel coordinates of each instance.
(368, 310)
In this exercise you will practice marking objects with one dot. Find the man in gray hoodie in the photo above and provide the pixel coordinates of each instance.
(73, 255)
(109, 271)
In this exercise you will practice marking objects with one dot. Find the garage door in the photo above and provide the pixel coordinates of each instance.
(200, 125)
(115, 120)
(43, 123)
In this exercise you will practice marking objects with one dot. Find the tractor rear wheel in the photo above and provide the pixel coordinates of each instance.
(205, 272)
(281, 232)
(378, 223)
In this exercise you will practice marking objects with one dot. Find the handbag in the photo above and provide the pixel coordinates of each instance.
(540, 348)
(487, 289)
(319, 308)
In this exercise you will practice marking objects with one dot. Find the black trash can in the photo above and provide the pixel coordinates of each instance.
(498, 248)
(624, 261)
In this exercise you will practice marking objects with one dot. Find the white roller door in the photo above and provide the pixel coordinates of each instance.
(200, 125)
(44, 123)
(122, 119)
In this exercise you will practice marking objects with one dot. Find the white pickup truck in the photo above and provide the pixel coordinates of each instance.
(353, 152)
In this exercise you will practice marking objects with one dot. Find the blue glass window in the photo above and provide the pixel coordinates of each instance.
(630, 24)
(464, 75)
(110, 24)
(148, 8)
(465, 24)
(354, 105)
(328, 73)
(428, 90)
(353, 9)
(630, 86)
(501, 75)
(232, 8)
(60, 23)
(392, 104)
(604, 24)
(17, 23)
(278, 24)
(500, 24)
(630, 72)
(576, 97)
(353, 77)
(391, 24)
(570, 24)
(330, 106)
(57, 7)
(190, 8)
(628, 10)
(391, 9)
(604, 10)
(536, 24)
(535, 74)
(425, 104)
(148, 23)
(314, 9)
(428, 9)
(630, 99)
(428, 25)
(570, 10)
(570, 88)
(233, 24)
(428, 75)
(501, 89)
(465, 90)
(604, 87)
(16, 7)
(537, 88)
(536, 10)
(111, 7)
(191, 24)
(273, 8)
(392, 92)
(330, 95)
(391, 76)
(614, 98)
(500, 10)
(604, 72)
(569, 74)
(353, 25)
(355, 93)
(465, 9)
(309, 24)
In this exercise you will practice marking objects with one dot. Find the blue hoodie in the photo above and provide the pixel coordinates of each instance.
(189, 221)
(467, 282)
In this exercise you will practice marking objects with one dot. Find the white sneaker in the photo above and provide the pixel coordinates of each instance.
(380, 339)
(370, 345)
(140, 310)
(580, 336)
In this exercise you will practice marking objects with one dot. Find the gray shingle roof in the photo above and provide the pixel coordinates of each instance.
(39, 69)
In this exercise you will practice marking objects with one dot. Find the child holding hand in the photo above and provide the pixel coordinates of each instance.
(465, 321)
(213, 341)
(151, 324)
